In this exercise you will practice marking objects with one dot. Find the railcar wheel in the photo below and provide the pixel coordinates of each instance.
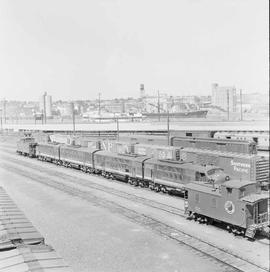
(157, 188)
(141, 184)
(164, 190)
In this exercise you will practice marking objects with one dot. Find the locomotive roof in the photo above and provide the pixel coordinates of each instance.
(236, 183)
(252, 198)
(80, 148)
(180, 164)
(122, 156)
(49, 143)
(204, 188)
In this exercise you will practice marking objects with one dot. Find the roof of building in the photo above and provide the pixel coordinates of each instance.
(254, 197)
(236, 183)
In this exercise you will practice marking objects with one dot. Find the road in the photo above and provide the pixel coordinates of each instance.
(96, 233)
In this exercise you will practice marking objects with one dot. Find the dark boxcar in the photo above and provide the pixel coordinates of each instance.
(48, 152)
(239, 204)
(224, 145)
(239, 166)
(27, 146)
(166, 175)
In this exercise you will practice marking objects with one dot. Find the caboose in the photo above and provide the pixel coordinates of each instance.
(240, 205)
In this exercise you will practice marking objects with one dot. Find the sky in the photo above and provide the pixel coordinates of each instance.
(74, 49)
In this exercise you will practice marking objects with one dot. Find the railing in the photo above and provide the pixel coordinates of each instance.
(263, 217)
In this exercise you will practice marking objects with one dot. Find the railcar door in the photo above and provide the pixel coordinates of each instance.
(249, 214)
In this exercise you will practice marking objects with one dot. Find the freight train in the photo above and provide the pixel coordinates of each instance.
(244, 204)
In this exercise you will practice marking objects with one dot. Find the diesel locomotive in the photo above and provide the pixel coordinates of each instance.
(158, 175)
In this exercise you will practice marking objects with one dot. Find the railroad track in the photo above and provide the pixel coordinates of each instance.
(219, 256)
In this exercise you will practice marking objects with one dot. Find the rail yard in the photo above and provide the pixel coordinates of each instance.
(99, 199)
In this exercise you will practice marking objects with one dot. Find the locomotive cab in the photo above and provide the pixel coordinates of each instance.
(212, 174)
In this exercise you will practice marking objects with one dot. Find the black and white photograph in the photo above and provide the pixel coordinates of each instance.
(134, 136)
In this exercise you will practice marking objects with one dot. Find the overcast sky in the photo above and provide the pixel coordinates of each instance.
(74, 49)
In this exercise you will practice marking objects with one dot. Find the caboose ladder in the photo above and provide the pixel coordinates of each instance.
(251, 231)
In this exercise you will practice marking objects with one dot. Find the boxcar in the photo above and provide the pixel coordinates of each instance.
(145, 139)
(238, 204)
(224, 145)
(164, 175)
(239, 166)
(117, 147)
(259, 137)
(158, 151)
(48, 152)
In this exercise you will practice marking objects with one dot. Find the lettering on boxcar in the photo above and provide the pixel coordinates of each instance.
(240, 167)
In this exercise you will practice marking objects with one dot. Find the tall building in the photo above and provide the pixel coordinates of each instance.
(224, 96)
(45, 104)
(142, 91)
(48, 105)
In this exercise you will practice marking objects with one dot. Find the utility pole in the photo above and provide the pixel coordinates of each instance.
(168, 126)
(99, 94)
(1, 120)
(158, 107)
(73, 117)
(117, 123)
(4, 106)
(241, 105)
(44, 107)
(35, 117)
(228, 105)
(42, 116)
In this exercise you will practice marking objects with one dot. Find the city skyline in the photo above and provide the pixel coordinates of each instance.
(74, 51)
